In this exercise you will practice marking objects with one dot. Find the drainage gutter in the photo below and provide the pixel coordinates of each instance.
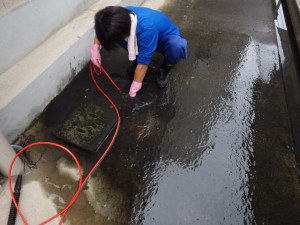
(292, 12)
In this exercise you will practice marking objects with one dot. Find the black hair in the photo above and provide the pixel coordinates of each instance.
(112, 24)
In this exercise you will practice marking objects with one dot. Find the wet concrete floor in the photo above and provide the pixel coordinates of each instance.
(214, 147)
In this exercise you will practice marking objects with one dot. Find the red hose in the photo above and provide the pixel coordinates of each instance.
(81, 183)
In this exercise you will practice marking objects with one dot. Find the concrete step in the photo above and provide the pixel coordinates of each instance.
(26, 24)
(29, 85)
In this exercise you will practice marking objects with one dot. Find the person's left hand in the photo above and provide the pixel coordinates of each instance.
(134, 88)
(95, 55)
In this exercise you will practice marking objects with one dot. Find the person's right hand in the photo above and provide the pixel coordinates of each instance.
(95, 55)
(134, 88)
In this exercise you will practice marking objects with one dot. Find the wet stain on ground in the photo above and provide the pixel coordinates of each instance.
(273, 180)
(214, 147)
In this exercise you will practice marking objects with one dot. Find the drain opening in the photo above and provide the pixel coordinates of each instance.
(80, 130)
(93, 115)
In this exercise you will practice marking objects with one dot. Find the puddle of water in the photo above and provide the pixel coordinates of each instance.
(203, 174)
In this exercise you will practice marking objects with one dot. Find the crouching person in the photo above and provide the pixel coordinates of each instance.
(142, 31)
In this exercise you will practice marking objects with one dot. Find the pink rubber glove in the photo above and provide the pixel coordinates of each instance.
(95, 55)
(135, 87)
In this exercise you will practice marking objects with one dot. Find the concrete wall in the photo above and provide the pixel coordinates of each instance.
(29, 24)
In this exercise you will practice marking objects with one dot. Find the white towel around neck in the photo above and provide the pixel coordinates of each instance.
(132, 45)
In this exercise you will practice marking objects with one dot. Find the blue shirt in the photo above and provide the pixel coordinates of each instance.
(152, 26)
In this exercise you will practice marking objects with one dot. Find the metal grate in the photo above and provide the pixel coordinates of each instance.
(87, 127)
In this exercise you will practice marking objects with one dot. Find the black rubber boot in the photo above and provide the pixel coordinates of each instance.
(131, 68)
(162, 78)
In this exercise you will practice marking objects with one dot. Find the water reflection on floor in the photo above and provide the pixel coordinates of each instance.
(205, 153)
